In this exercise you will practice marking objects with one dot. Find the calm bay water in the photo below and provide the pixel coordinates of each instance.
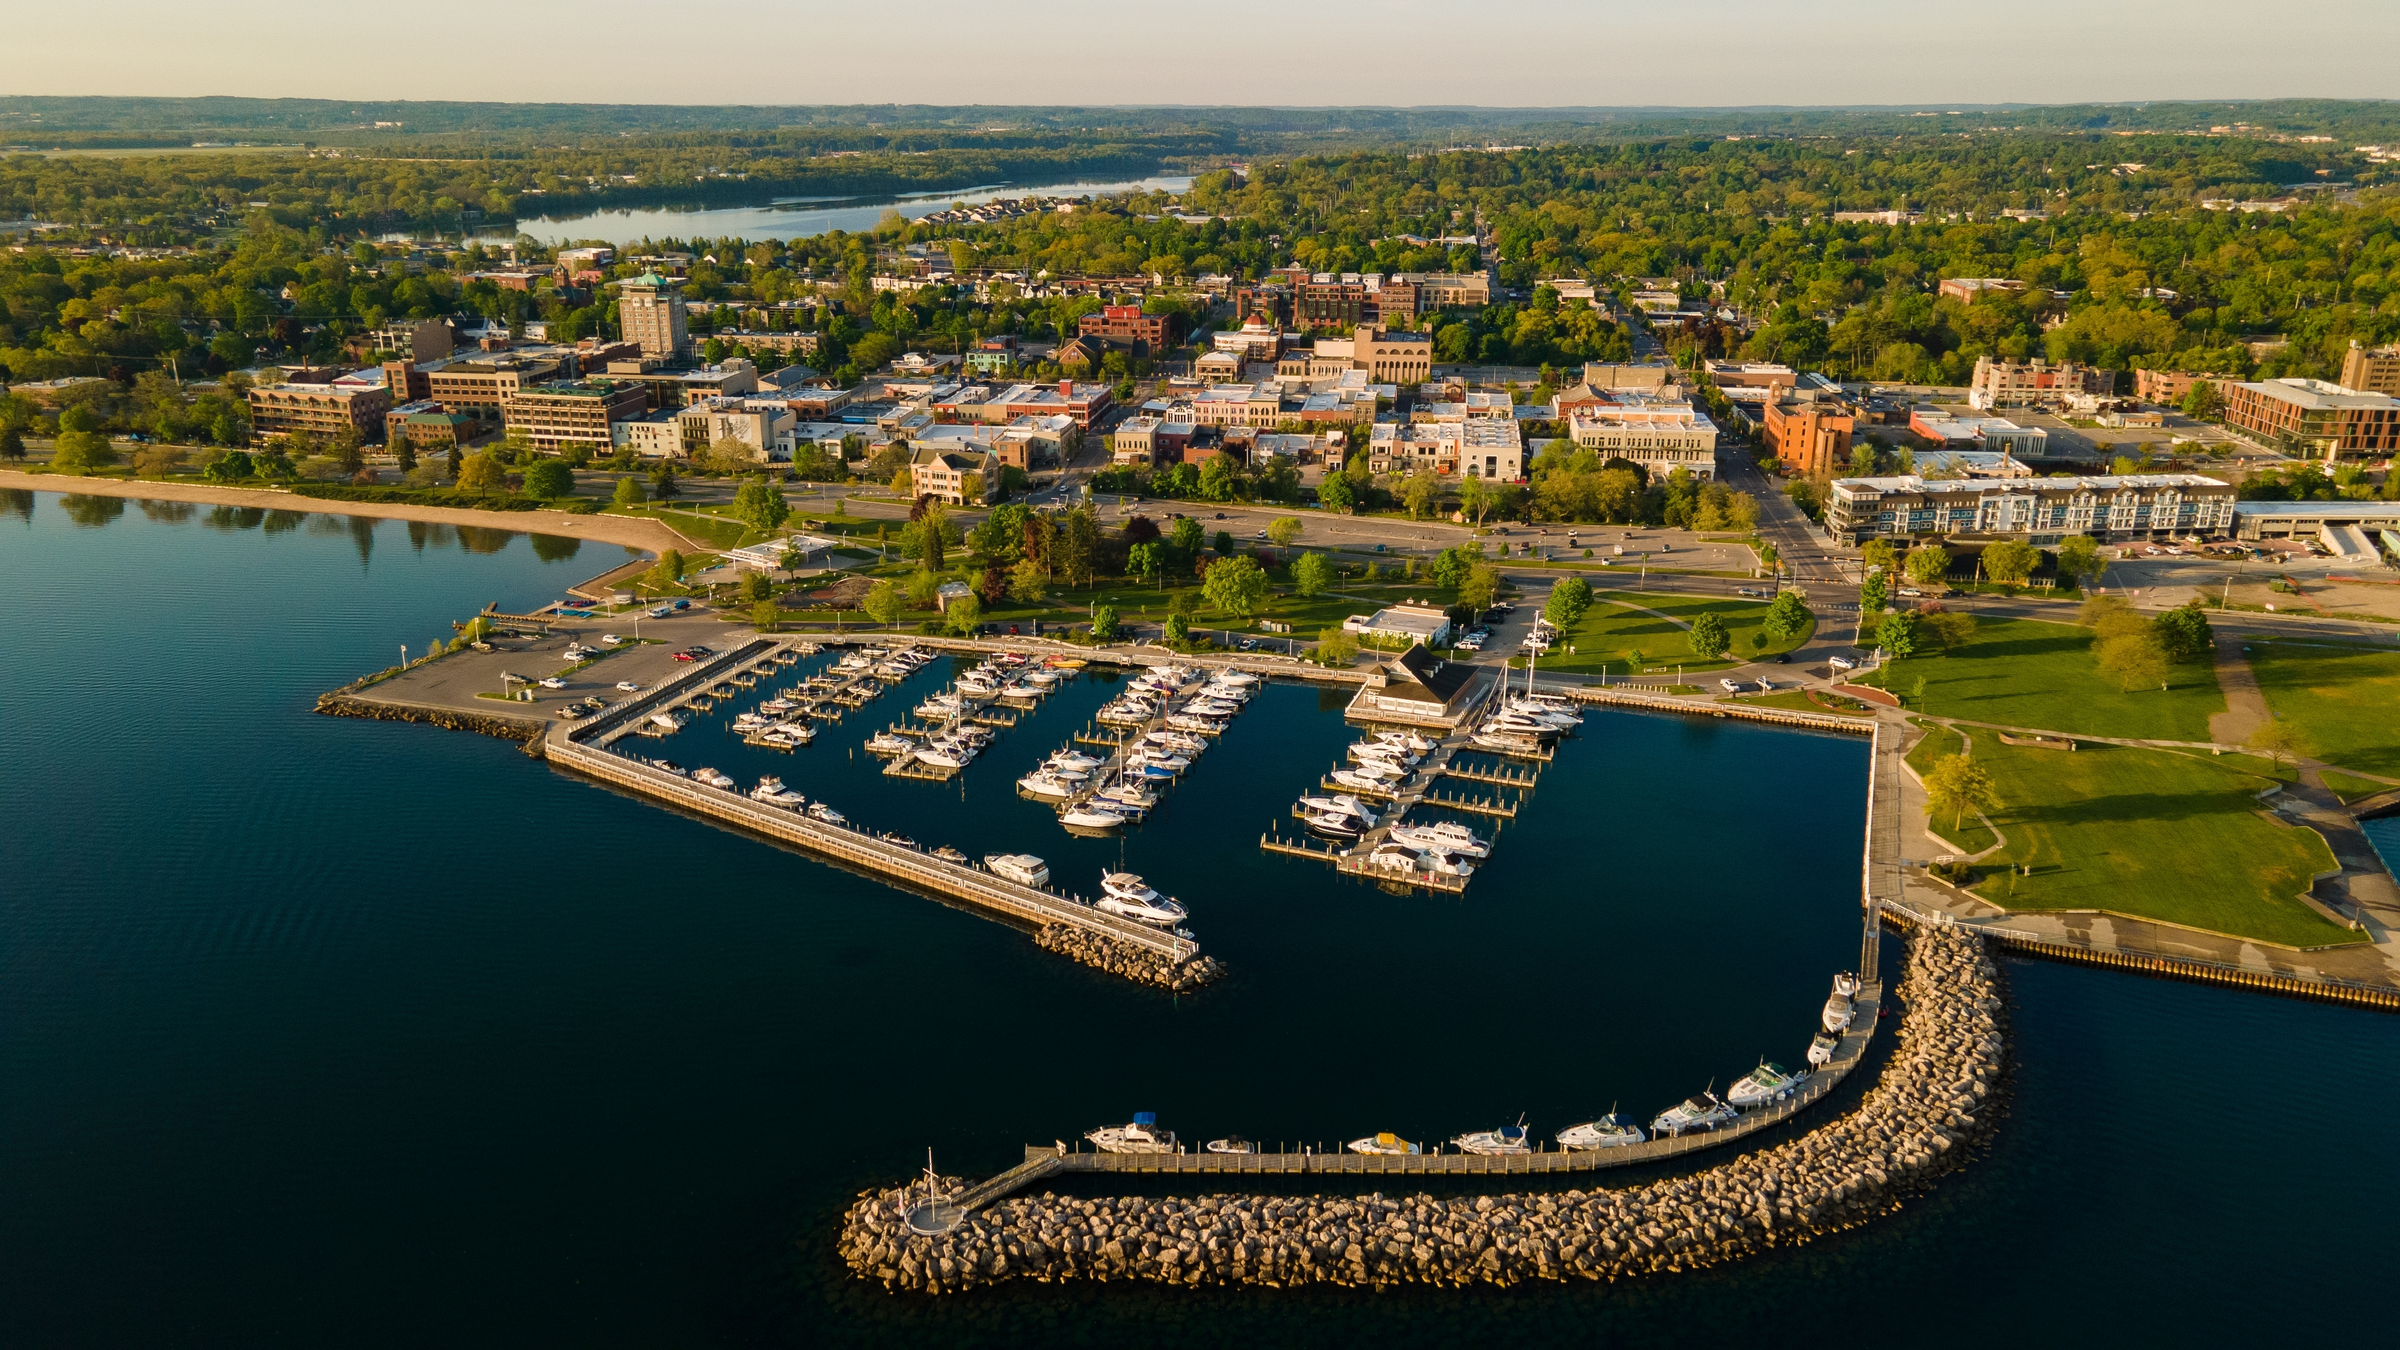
(804, 217)
(321, 1031)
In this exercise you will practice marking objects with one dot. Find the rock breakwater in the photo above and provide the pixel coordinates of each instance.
(518, 729)
(1139, 964)
(1912, 1124)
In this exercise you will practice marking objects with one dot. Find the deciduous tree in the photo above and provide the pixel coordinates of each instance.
(2010, 561)
(1311, 574)
(884, 603)
(1928, 564)
(1958, 785)
(1708, 636)
(1235, 585)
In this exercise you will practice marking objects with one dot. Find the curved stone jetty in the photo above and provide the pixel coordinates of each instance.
(1139, 964)
(1909, 1126)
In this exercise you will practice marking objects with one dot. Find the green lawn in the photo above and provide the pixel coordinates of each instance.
(2350, 788)
(2346, 698)
(1799, 701)
(712, 530)
(1970, 834)
(2023, 673)
(1608, 632)
(2149, 833)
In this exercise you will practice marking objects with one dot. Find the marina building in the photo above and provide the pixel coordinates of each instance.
(2040, 510)
(1416, 687)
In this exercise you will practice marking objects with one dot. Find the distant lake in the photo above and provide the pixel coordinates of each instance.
(803, 217)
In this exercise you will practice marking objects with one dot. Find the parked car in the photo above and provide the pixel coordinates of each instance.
(1910, 590)
(1249, 644)
(1732, 686)
(1842, 663)
(1260, 535)
(628, 687)
(685, 656)
(611, 640)
(683, 604)
(554, 683)
(663, 612)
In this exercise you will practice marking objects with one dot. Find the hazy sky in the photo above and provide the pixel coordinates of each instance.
(1399, 52)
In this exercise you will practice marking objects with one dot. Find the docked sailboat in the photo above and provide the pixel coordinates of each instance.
(1509, 1139)
(1609, 1131)
(1767, 1083)
(1705, 1111)
(1126, 894)
(1143, 1135)
(1384, 1145)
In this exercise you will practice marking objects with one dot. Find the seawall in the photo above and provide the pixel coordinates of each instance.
(1911, 1125)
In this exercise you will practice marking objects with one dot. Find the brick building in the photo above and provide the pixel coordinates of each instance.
(573, 412)
(325, 410)
(2311, 417)
(1149, 333)
(2036, 384)
(1812, 436)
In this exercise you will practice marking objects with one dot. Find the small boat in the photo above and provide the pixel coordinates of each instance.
(827, 814)
(945, 757)
(712, 778)
(1126, 894)
(1333, 826)
(1846, 984)
(1820, 1050)
(1358, 781)
(1148, 773)
(1609, 1131)
(1021, 690)
(1408, 740)
(1766, 1083)
(1038, 784)
(950, 855)
(1161, 758)
(1239, 678)
(1509, 1139)
(777, 707)
(1387, 1145)
(1839, 1012)
(1232, 1143)
(1091, 816)
(1341, 803)
(668, 766)
(895, 837)
(1142, 1136)
(1021, 868)
(1703, 1112)
(774, 793)
(1129, 794)
(1442, 836)
(885, 743)
(1378, 753)
(1075, 760)
(668, 720)
(1065, 663)
(1396, 858)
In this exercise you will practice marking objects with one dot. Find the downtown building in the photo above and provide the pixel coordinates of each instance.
(2037, 510)
(2316, 419)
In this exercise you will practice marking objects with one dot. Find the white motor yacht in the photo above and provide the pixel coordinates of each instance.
(1504, 741)
(1039, 784)
(1507, 1139)
(1702, 1112)
(777, 707)
(1177, 740)
(1846, 984)
(1092, 816)
(1128, 794)
(945, 756)
(1386, 1144)
(1360, 781)
(711, 778)
(1021, 868)
(1340, 803)
(1165, 759)
(885, 743)
(1442, 837)
(1242, 678)
(1609, 1131)
(1376, 752)
(1076, 759)
(1820, 1050)
(1126, 894)
(1766, 1083)
(1232, 1143)
(1334, 825)
(1142, 1136)
(669, 721)
(774, 793)
(1406, 740)
(827, 814)
(1839, 1012)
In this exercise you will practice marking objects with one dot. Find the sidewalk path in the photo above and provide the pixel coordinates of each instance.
(2245, 707)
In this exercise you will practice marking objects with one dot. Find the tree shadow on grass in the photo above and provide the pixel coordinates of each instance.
(2124, 807)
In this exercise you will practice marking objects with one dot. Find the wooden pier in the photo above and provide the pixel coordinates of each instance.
(1483, 806)
(582, 748)
(1045, 1161)
(1499, 775)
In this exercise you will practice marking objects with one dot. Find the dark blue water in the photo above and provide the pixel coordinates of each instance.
(323, 1031)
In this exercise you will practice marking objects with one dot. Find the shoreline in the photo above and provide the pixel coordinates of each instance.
(640, 532)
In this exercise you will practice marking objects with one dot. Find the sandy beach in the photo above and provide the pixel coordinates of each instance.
(630, 531)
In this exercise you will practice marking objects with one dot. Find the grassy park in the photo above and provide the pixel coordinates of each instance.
(1970, 834)
(2150, 834)
(2024, 673)
(1620, 622)
(2346, 699)
(2351, 788)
